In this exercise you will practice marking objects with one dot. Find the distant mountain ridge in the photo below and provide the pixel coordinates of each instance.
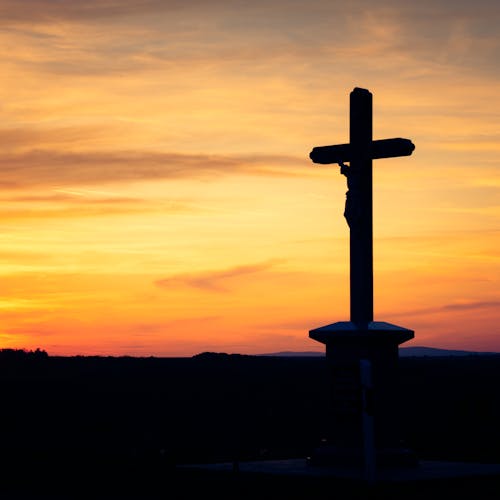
(434, 351)
(403, 352)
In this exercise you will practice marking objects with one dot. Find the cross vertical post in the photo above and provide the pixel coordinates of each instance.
(361, 233)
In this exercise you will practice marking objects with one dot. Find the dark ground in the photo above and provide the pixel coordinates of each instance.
(103, 427)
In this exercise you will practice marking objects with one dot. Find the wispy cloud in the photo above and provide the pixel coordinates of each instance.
(494, 304)
(58, 168)
(13, 11)
(194, 32)
(215, 281)
(75, 137)
(303, 324)
(61, 203)
(61, 195)
(72, 212)
(459, 306)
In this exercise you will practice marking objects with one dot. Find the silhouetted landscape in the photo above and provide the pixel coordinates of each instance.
(90, 425)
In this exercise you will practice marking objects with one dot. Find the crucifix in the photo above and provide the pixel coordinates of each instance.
(362, 354)
(360, 152)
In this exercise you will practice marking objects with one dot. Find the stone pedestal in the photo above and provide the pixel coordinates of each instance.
(363, 364)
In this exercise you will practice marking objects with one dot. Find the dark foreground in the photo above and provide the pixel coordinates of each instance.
(91, 427)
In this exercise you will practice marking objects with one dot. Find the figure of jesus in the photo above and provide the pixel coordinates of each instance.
(352, 211)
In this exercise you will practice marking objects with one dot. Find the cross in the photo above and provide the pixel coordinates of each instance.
(360, 152)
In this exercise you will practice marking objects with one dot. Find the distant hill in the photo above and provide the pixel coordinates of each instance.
(295, 354)
(433, 351)
(403, 352)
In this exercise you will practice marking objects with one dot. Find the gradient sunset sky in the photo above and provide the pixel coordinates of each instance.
(157, 194)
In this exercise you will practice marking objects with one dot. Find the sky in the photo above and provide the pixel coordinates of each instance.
(156, 190)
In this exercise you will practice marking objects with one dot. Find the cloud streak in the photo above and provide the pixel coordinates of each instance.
(471, 306)
(49, 168)
(68, 204)
(466, 306)
(214, 281)
(43, 11)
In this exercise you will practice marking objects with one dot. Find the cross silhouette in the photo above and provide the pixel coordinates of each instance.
(359, 152)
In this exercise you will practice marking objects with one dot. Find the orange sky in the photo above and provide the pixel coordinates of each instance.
(157, 193)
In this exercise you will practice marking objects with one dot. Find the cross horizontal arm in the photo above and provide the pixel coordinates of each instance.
(384, 148)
